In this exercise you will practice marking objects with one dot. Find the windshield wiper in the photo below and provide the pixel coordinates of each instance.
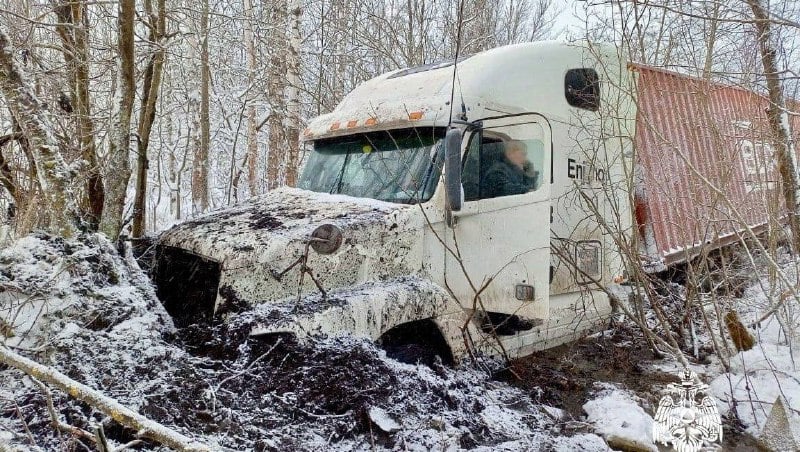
(337, 183)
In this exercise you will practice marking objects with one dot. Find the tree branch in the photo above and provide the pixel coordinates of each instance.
(125, 416)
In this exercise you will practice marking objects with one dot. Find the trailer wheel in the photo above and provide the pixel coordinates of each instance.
(416, 342)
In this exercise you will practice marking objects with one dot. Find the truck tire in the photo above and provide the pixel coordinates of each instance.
(412, 354)
(415, 342)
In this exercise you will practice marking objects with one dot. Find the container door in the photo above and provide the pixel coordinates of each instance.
(500, 240)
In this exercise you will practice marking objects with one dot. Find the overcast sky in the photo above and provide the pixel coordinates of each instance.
(570, 21)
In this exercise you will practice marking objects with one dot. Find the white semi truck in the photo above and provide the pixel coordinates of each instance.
(439, 208)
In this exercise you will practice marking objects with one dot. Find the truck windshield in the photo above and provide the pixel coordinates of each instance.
(401, 166)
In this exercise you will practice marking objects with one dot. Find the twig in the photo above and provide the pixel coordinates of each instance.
(100, 439)
(54, 421)
(24, 424)
(237, 374)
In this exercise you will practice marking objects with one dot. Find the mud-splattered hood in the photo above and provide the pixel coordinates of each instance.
(259, 239)
(281, 215)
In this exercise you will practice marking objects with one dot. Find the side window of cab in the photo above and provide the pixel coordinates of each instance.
(498, 165)
(582, 88)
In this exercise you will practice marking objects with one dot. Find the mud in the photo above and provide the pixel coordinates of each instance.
(232, 303)
(337, 382)
(330, 383)
(563, 377)
(264, 220)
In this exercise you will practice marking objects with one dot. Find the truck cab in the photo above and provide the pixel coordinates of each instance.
(453, 206)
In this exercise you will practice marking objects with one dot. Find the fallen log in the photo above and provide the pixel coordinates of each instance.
(147, 428)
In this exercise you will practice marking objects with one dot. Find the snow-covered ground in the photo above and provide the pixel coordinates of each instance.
(756, 378)
(79, 307)
(618, 416)
(771, 369)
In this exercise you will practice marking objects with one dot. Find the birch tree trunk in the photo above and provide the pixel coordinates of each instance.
(118, 169)
(252, 132)
(200, 163)
(778, 119)
(293, 94)
(276, 89)
(52, 174)
(147, 114)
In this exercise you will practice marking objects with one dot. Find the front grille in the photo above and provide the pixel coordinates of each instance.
(186, 284)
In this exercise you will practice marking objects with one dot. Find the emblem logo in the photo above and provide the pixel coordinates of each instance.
(684, 421)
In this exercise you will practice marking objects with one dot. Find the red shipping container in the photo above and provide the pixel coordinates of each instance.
(705, 162)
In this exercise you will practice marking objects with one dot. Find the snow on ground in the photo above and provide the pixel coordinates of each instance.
(769, 370)
(48, 284)
(747, 393)
(617, 416)
(77, 306)
(80, 307)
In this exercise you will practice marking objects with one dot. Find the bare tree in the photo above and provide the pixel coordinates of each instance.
(200, 163)
(238, 84)
(147, 114)
(293, 93)
(118, 170)
(276, 90)
(73, 31)
(252, 130)
(54, 178)
(778, 119)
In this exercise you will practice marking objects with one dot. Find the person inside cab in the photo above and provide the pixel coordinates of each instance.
(512, 173)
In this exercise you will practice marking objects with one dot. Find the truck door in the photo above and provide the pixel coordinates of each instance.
(500, 239)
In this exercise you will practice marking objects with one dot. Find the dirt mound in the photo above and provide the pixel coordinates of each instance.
(330, 384)
(83, 309)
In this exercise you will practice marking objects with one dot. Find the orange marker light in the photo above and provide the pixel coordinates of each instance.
(352, 123)
(371, 121)
(335, 126)
(415, 116)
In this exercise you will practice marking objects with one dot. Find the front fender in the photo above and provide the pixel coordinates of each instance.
(369, 309)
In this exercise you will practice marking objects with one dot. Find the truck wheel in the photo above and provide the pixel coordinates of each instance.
(412, 354)
(416, 342)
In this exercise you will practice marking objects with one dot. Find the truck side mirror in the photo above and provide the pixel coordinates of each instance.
(452, 170)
